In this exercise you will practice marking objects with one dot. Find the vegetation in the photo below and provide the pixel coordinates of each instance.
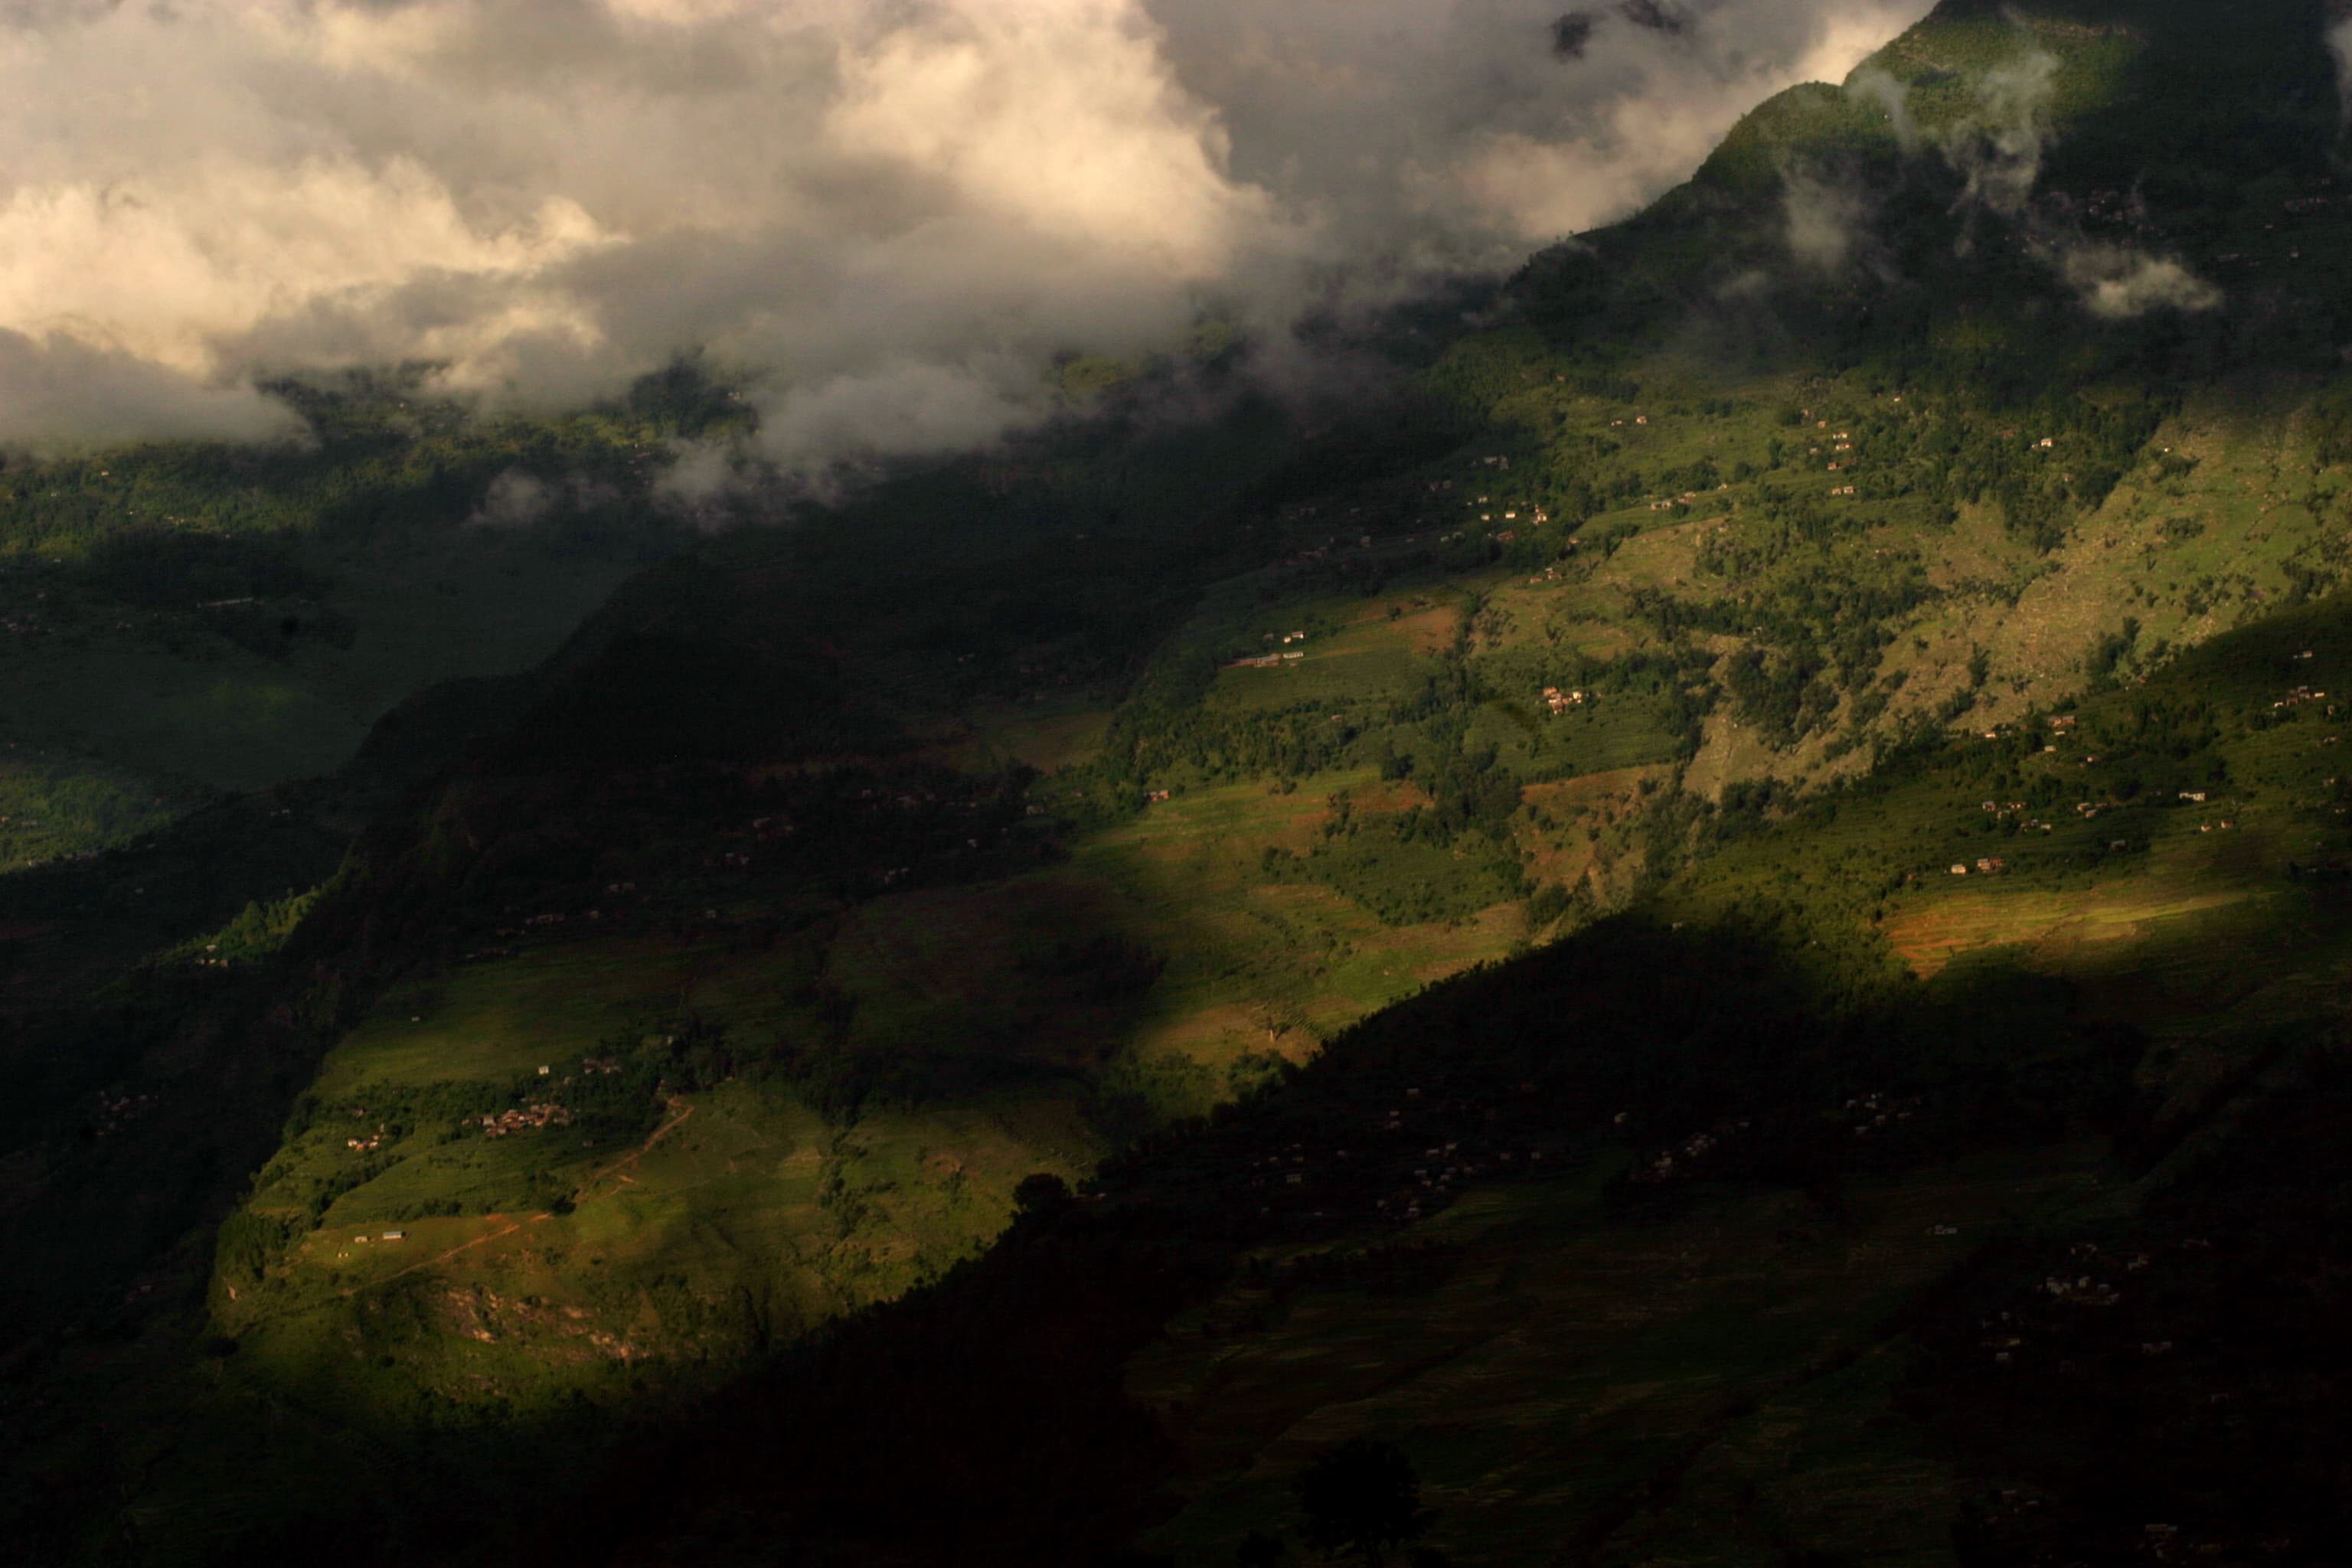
(1011, 1017)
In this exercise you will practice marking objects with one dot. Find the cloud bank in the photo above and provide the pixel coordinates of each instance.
(883, 216)
(1997, 151)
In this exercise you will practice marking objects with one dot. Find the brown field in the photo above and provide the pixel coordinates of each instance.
(1595, 800)
(2053, 926)
(1428, 631)
(1388, 799)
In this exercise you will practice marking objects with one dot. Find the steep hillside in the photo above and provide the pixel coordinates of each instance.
(1830, 1203)
(1599, 911)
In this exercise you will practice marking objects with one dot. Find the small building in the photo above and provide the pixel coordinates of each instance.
(396, 1235)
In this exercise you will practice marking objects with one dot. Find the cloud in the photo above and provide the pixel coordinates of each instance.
(2117, 283)
(2339, 44)
(57, 392)
(1999, 154)
(1655, 15)
(1998, 151)
(1825, 218)
(884, 218)
(1894, 98)
(702, 476)
(515, 499)
(1467, 134)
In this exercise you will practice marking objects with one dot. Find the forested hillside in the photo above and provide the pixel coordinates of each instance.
(1693, 917)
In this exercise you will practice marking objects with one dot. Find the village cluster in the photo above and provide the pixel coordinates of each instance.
(2001, 810)
(1297, 1171)
(544, 1114)
(1876, 1113)
(1560, 701)
(2008, 1332)
(116, 1110)
(2298, 696)
(2129, 212)
(1270, 660)
(1464, 1141)
(1679, 1160)
(1667, 503)
(381, 1236)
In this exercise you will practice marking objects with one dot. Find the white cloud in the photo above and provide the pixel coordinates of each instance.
(1824, 220)
(1998, 151)
(1458, 134)
(887, 214)
(2117, 283)
(1893, 98)
(515, 499)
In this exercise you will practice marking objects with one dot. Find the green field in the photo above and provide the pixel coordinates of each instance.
(743, 1191)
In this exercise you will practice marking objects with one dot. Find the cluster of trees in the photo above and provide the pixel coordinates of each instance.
(259, 929)
(1148, 742)
(1786, 695)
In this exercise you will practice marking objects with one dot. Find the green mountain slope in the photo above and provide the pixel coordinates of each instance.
(1600, 915)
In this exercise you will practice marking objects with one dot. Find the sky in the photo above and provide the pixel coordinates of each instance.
(884, 216)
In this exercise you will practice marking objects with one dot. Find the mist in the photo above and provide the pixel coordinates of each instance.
(881, 218)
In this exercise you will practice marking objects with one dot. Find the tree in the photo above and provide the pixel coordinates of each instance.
(1043, 1193)
(1258, 1550)
(1360, 1497)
